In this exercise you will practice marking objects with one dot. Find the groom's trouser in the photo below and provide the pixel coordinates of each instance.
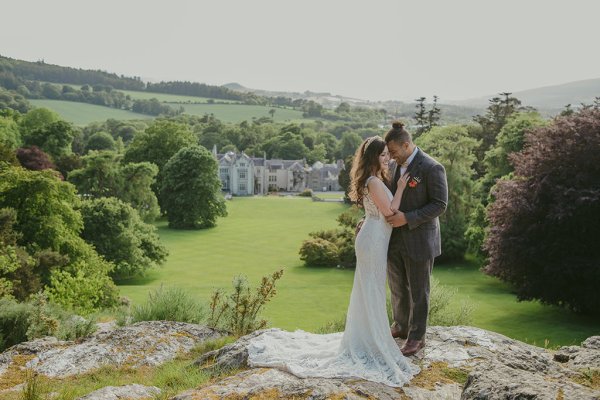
(408, 280)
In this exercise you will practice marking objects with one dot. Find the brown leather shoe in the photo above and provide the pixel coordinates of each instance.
(412, 347)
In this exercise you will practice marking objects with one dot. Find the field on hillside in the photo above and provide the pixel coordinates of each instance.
(171, 98)
(263, 234)
(240, 112)
(84, 113)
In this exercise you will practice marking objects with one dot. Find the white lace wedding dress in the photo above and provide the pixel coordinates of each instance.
(366, 348)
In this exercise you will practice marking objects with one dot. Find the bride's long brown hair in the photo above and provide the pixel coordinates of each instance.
(365, 159)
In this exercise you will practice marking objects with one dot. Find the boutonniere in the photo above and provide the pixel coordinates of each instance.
(414, 181)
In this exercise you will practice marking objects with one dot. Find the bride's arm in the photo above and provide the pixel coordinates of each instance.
(380, 198)
(395, 206)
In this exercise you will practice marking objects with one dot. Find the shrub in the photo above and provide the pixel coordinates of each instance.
(238, 312)
(306, 193)
(169, 304)
(319, 252)
(440, 298)
(36, 318)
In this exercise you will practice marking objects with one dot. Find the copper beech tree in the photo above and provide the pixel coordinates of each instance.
(545, 220)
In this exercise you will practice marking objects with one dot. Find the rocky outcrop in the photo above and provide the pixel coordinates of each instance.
(144, 343)
(130, 392)
(457, 363)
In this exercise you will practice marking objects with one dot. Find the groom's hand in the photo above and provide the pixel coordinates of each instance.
(396, 220)
(358, 226)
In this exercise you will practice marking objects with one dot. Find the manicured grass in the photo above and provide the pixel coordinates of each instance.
(84, 113)
(170, 98)
(263, 234)
(329, 195)
(496, 308)
(260, 236)
(240, 112)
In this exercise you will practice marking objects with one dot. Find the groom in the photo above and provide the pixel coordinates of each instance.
(415, 240)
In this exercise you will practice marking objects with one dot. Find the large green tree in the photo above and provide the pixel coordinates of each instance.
(191, 189)
(9, 132)
(498, 164)
(159, 142)
(454, 149)
(54, 138)
(38, 118)
(47, 219)
(497, 113)
(348, 144)
(119, 234)
(104, 175)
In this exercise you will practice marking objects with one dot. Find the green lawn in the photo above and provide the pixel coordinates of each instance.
(496, 308)
(84, 113)
(259, 236)
(240, 112)
(170, 98)
(263, 234)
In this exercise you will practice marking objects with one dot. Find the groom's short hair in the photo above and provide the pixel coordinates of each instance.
(398, 133)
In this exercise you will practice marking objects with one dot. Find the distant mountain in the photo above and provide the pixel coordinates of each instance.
(549, 97)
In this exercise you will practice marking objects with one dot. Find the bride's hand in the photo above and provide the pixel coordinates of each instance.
(403, 181)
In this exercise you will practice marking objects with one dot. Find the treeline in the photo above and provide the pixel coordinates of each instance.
(98, 94)
(200, 90)
(40, 71)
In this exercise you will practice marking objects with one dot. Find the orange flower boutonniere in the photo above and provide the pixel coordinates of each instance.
(414, 181)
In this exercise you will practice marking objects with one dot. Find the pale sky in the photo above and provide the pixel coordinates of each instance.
(371, 49)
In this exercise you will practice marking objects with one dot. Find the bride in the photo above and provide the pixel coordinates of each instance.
(366, 348)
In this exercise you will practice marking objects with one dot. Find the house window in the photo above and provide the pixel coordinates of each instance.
(224, 171)
(242, 174)
(242, 164)
(242, 187)
(272, 178)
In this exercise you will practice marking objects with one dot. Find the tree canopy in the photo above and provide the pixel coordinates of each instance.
(544, 220)
(191, 189)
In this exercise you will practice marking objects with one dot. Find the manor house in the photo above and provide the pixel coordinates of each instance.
(242, 175)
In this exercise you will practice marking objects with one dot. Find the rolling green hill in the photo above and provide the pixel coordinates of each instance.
(84, 113)
(172, 98)
(240, 112)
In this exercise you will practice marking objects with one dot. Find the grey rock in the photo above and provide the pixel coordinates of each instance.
(593, 342)
(496, 381)
(134, 391)
(585, 357)
(232, 356)
(144, 343)
(276, 384)
(523, 370)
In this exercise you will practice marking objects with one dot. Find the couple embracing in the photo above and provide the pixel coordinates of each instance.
(398, 241)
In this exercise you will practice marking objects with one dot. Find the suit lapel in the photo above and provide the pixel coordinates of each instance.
(416, 162)
(394, 179)
(413, 169)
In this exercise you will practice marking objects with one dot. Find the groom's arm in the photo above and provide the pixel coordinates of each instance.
(437, 192)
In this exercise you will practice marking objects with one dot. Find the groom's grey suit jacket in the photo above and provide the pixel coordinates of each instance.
(422, 205)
